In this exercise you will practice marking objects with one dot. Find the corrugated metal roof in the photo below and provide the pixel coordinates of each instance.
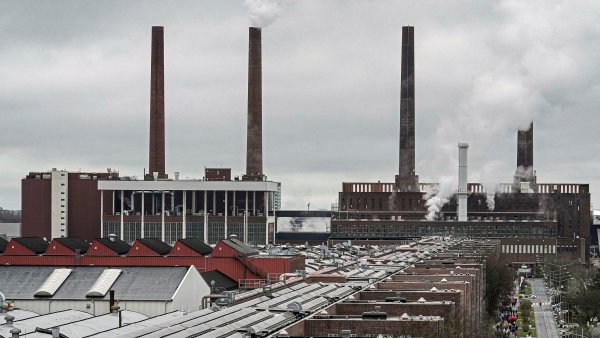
(36, 244)
(134, 283)
(197, 245)
(21, 282)
(115, 244)
(240, 247)
(73, 243)
(221, 280)
(45, 321)
(156, 245)
(20, 314)
(90, 326)
(137, 328)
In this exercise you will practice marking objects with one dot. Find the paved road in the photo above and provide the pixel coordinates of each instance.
(544, 319)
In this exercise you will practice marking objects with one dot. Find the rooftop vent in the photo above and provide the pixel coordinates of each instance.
(52, 283)
(103, 283)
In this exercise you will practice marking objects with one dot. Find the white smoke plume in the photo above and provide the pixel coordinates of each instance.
(263, 12)
(492, 174)
(437, 196)
(518, 86)
(524, 174)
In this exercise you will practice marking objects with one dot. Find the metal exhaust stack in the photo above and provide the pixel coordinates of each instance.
(254, 160)
(463, 192)
(156, 161)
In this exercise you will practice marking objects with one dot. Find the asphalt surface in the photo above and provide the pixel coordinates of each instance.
(544, 319)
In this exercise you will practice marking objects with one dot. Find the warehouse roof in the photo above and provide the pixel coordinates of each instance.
(44, 321)
(115, 244)
(3, 244)
(74, 244)
(134, 283)
(197, 245)
(240, 246)
(36, 244)
(87, 326)
(156, 245)
(221, 280)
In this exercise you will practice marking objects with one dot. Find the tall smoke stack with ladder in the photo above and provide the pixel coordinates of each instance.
(463, 192)
(254, 161)
(156, 160)
(525, 176)
(406, 180)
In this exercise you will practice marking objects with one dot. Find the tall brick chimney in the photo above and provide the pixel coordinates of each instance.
(406, 180)
(525, 172)
(254, 161)
(156, 161)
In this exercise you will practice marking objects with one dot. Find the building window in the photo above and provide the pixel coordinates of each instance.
(195, 230)
(216, 232)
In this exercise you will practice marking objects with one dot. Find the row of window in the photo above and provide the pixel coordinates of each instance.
(174, 231)
(483, 230)
(381, 204)
(529, 249)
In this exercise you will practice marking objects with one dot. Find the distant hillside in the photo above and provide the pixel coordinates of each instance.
(10, 216)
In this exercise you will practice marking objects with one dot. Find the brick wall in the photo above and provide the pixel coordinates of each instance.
(442, 309)
(323, 327)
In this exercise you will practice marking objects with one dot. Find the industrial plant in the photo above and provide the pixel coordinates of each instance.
(106, 255)
(529, 218)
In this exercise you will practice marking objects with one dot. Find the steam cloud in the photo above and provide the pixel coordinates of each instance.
(263, 12)
(515, 89)
(437, 196)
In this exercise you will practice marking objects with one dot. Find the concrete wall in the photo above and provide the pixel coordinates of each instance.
(59, 203)
(93, 307)
(442, 309)
(188, 296)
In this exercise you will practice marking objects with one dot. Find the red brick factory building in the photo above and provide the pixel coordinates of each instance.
(59, 203)
(531, 219)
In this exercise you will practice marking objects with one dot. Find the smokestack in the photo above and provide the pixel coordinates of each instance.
(525, 171)
(406, 180)
(463, 193)
(525, 147)
(254, 168)
(156, 162)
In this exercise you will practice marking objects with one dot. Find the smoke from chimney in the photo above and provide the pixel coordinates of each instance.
(262, 12)
(156, 161)
(254, 165)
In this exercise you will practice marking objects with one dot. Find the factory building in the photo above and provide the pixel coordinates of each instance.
(427, 287)
(230, 257)
(529, 218)
(59, 203)
(150, 291)
(90, 205)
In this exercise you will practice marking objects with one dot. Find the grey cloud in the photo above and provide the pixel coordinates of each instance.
(75, 89)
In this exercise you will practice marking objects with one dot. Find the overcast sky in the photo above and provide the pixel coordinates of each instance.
(74, 89)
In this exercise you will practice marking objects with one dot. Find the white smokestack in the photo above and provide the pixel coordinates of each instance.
(463, 193)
